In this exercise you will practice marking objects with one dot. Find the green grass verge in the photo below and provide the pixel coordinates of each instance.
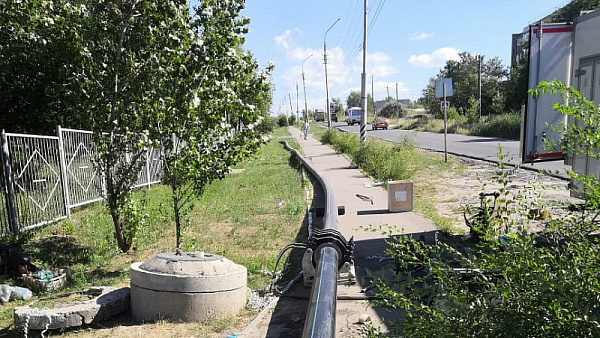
(248, 217)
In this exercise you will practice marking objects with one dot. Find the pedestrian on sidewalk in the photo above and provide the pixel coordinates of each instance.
(305, 128)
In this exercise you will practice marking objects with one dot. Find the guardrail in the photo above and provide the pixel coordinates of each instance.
(320, 318)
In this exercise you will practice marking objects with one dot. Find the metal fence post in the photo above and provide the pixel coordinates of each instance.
(147, 163)
(10, 189)
(63, 172)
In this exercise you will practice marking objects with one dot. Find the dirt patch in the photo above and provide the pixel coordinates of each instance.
(456, 190)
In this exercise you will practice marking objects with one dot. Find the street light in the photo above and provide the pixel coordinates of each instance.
(304, 86)
(325, 62)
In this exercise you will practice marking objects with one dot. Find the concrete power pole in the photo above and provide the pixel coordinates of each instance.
(326, 83)
(397, 112)
(363, 87)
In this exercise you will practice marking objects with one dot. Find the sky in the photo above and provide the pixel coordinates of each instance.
(408, 42)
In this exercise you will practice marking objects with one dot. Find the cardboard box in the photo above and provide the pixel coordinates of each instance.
(400, 196)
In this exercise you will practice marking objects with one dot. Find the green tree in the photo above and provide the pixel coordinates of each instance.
(123, 47)
(39, 47)
(516, 86)
(392, 110)
(354, 97)
(464, 73)
(570, 11)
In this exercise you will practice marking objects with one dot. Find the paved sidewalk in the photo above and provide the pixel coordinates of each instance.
(346, 183)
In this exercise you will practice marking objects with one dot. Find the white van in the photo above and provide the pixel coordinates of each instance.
(353, 115)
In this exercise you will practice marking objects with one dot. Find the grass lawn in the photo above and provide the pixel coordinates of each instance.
(248, 217)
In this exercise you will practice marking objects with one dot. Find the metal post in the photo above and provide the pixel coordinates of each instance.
(397, 112)
(363, 87)
(11, 209)
(291, 109)
(326, 83)
(147, 162)
(479, 59)
(445, 123)
(63, 172)
(304, 87)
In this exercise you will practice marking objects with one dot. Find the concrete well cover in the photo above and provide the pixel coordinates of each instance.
(191, 287)
(188, 272)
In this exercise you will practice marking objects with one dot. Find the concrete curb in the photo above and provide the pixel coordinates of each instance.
(108, 303)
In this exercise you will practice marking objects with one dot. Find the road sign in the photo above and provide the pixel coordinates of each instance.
(444, 105)
(439, 87)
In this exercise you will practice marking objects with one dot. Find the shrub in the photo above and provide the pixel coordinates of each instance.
(505, 125)
(292, 119)
(521, 284)
(282, 120)
(267, 125)
(377, 159)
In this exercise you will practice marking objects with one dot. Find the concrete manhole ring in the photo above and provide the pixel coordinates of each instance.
(107, 302)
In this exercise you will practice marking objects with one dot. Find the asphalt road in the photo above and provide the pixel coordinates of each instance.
(483, 148)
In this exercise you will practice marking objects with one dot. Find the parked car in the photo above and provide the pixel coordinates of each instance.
(380, 123)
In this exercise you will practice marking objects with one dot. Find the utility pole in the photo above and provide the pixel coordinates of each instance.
(397, 112)
(363, 86)
(291, 109)
(326, 84)
(304, 86)
(297, 111)
(479, 61)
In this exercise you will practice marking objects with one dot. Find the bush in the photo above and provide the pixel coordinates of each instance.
(267, 125)
(505, 125)
(520, 284)
(377, 159)
(282, 120)
(292, 119)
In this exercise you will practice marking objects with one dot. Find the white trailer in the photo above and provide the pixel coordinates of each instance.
(586, 76)
(550, 50)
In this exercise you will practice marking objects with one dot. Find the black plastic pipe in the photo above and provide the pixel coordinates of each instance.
(320, 317)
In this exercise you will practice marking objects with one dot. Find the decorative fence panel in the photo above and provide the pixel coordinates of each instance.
(83, 180)
(36, 180)
(44, 177)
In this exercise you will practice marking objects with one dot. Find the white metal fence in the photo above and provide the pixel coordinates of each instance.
(44, 177)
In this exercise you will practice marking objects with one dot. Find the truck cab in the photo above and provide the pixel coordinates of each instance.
(319, 115)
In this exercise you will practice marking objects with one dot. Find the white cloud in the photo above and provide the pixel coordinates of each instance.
(285, 40)
(418, 36)
(436, 59)
(379, 65)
